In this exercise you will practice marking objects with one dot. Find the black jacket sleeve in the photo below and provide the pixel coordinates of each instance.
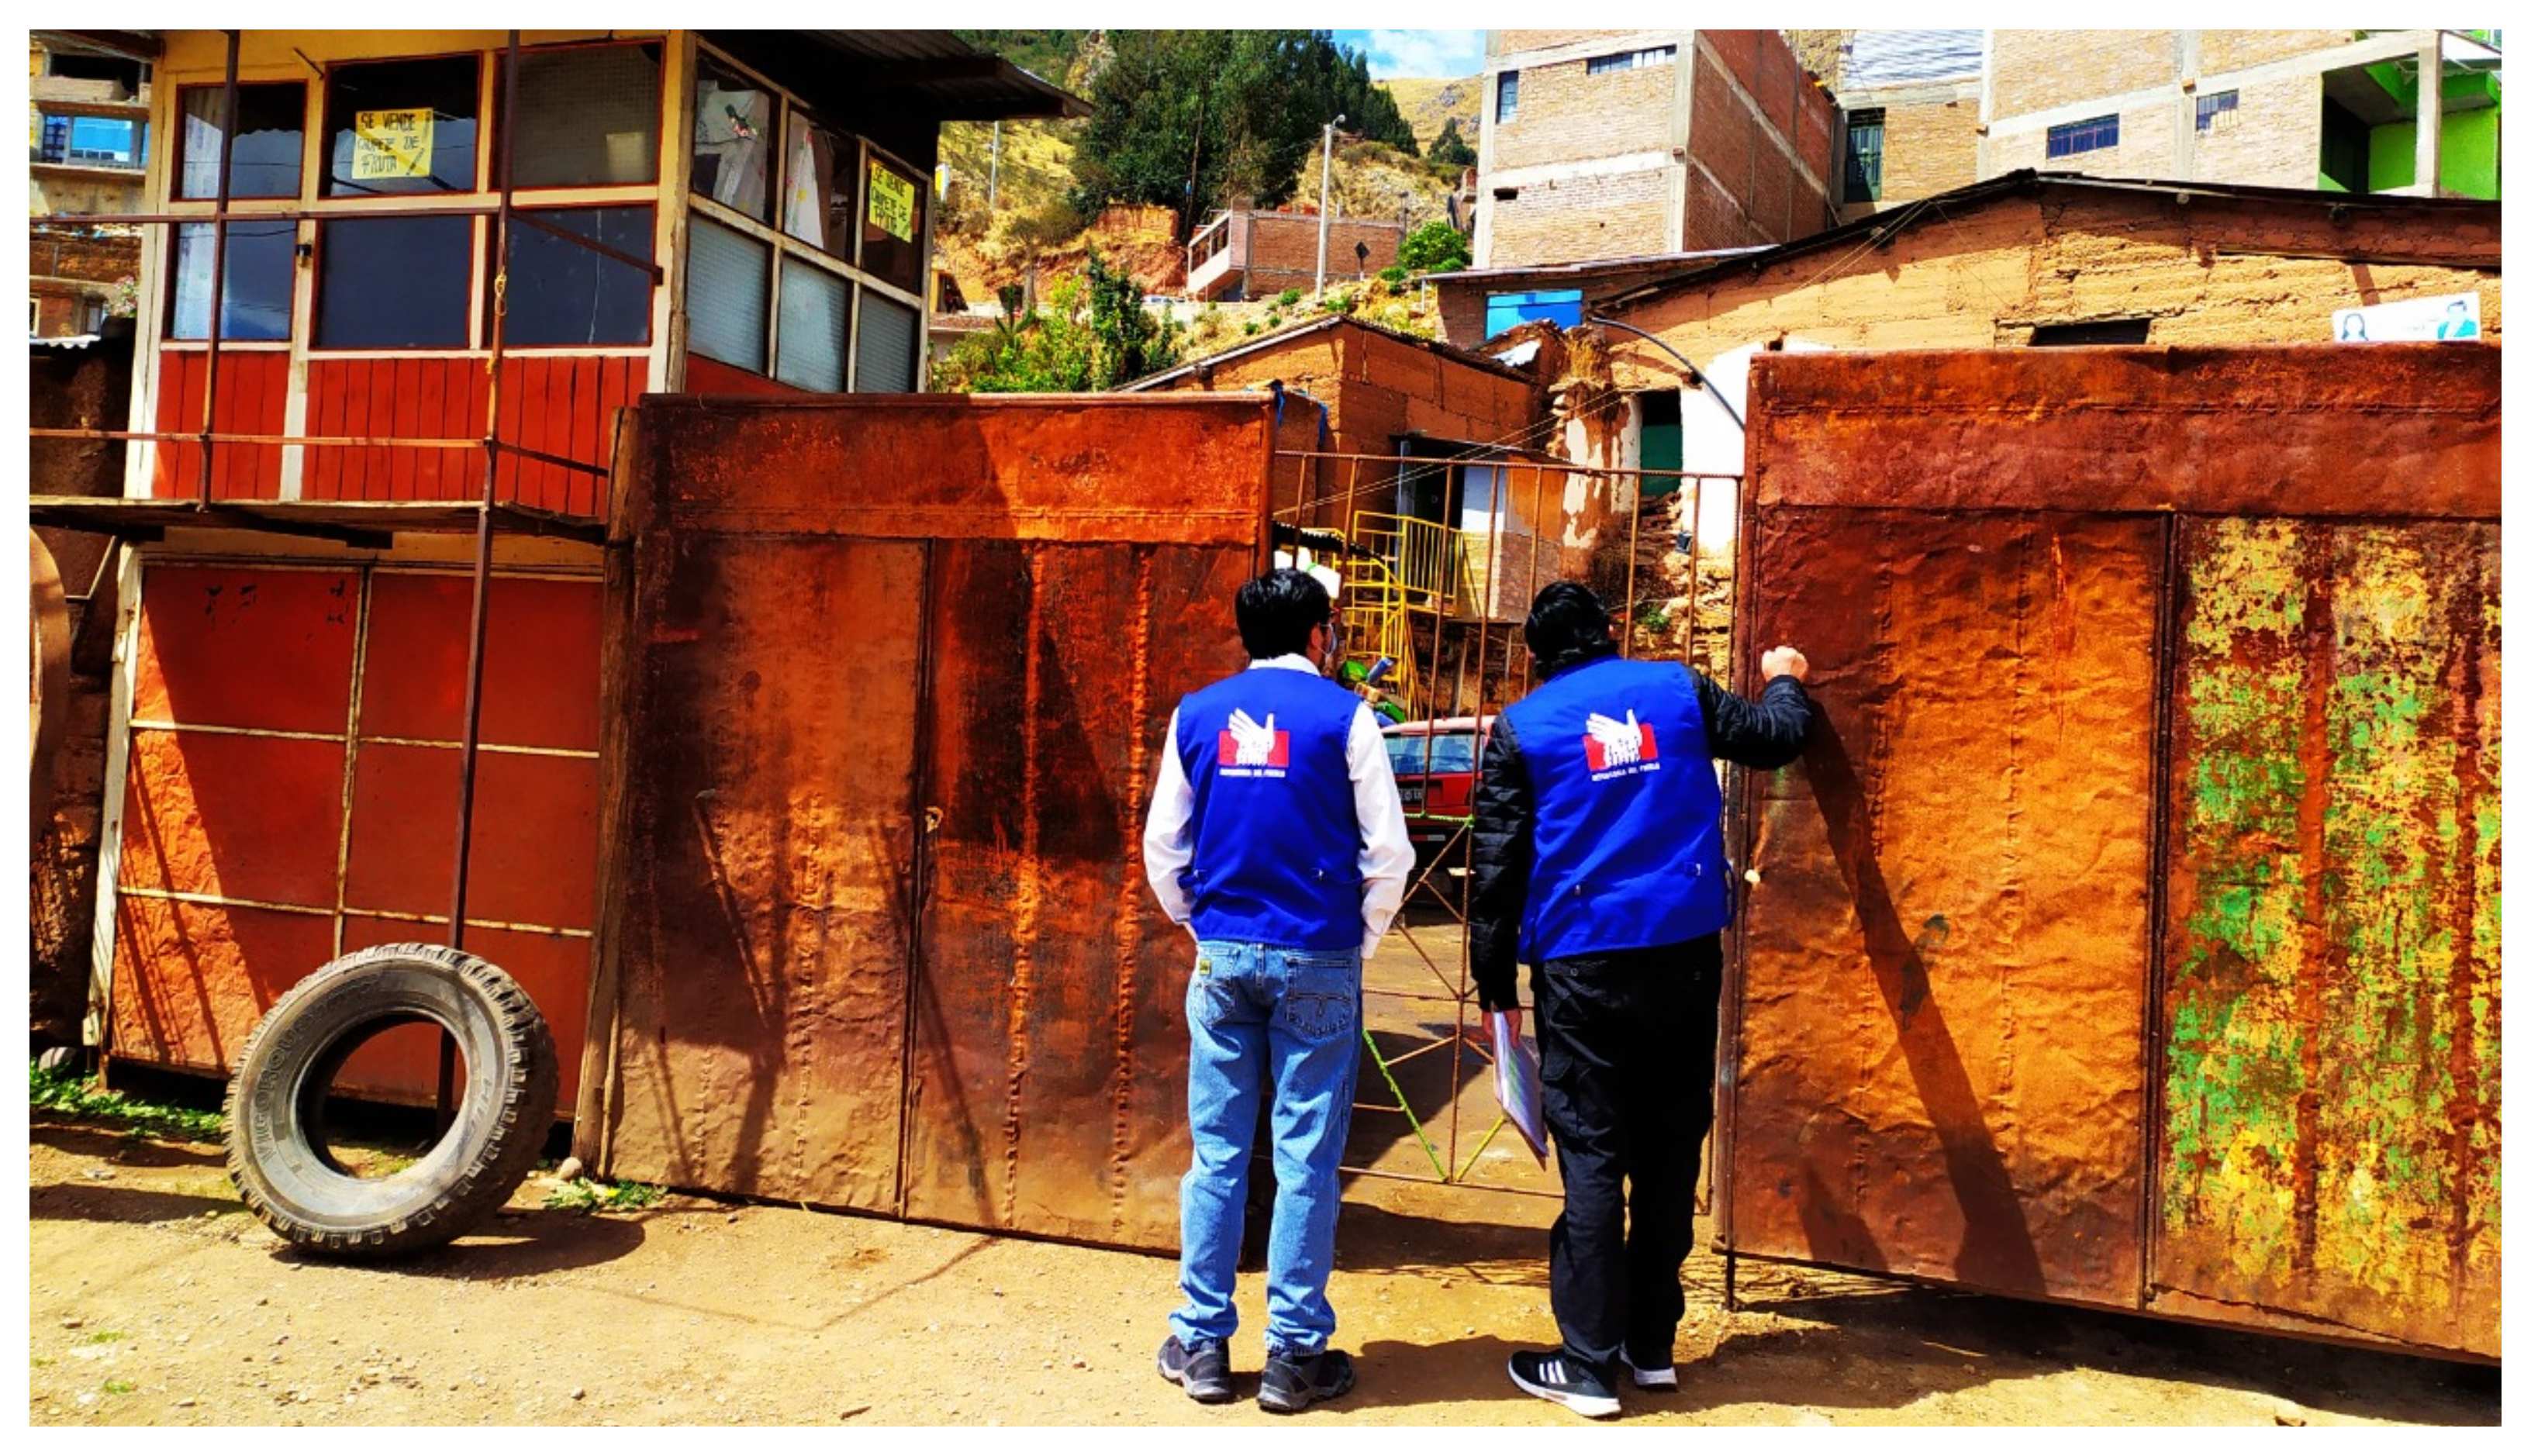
(1765, 734)
(1499, 883)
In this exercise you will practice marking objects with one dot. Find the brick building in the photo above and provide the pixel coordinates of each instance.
(2337, 110)
(1623, 144)
(1910, 103)
(1378, 393)
(87, 140)
(2027, 259)
(1247, 255)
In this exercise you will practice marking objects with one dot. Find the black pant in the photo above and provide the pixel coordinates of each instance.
(1625, 1043)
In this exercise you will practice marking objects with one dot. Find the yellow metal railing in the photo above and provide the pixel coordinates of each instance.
(1414, 570)
(1422, 555)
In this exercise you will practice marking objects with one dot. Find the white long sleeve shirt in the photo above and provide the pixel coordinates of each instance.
(1388, 854)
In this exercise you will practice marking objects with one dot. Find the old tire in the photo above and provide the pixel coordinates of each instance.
(277, 1102)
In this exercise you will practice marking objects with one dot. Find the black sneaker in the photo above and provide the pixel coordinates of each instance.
(1296, 1383)
(1552, 1375)
(1205, 1372)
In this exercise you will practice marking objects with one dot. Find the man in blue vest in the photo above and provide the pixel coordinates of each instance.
(1598, 860)
(1277, 834)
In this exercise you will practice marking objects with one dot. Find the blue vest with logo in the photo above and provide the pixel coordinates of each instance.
(1277, 854)
(1628, 835)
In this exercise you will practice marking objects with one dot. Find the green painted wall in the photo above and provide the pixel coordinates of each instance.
(2470, 158)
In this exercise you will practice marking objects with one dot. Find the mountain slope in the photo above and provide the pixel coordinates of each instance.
(1429, 102)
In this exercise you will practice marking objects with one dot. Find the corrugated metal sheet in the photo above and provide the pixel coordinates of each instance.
(2128, 934)
(1876, 58)
(885, 677)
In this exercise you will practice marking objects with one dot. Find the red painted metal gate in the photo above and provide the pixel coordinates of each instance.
(2128, 936)
(882, 679)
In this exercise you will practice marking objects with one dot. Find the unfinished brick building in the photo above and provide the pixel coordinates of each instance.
(1243, 253)
(1620, 143)
(2336, 110)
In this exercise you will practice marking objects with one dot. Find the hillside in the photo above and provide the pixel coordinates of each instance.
(1428, 103)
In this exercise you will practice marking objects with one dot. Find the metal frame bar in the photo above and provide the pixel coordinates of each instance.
(1427, 699)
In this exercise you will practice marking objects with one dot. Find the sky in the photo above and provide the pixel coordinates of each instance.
(1436, 53)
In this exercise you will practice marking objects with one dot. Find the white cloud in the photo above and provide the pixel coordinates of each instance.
(1432, 53)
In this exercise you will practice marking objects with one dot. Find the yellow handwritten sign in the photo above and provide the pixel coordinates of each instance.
(391, 143)
(892, 203)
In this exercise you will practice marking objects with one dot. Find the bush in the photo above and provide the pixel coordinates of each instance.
(1434, 248)
(1287, 297)
(1392, 275)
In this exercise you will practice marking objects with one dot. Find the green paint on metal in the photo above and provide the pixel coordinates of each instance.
(2331, 1032)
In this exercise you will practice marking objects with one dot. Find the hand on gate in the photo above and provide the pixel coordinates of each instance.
(1784, 662)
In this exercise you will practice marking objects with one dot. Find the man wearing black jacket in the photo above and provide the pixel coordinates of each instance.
(1598, 860)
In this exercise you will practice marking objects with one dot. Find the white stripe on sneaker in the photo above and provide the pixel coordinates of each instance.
(1597, 1407)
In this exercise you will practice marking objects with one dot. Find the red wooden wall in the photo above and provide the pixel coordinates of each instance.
(559, 404)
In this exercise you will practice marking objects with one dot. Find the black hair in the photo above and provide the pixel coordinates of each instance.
(1567, 624)
(1277, 611)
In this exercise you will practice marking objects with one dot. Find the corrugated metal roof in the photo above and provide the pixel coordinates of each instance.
(1875, 59)
(958, 81)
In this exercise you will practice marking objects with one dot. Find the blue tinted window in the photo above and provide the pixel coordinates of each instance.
(2075, 137)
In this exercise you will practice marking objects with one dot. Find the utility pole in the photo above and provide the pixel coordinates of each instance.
(1327, 169)
(993, 176)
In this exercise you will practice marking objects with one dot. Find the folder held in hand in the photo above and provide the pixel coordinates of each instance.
(1516, 1085)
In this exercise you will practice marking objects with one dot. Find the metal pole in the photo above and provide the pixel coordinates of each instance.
(220, 269)
(994, 175)
(1695, 376)
(1634, 543)
(1327, 169)
(472, 741)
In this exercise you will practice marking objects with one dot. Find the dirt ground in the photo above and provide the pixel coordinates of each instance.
(157, 1300)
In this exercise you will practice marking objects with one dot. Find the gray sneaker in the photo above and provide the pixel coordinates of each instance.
(1205, 1371)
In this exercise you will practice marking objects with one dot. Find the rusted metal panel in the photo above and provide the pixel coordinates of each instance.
(2330, 1154)
(2129, 935)
(950, 467)
(2137, 429)
(766, 918)
(1049, 1062)
(884, 679)
(1936, 1075)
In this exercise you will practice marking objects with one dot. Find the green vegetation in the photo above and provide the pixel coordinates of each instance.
(1182, 119)
(118, 1387)
(1392, 275)
(1434, 248)
(103, 1337)
(1287, 297)
(1092, 334)
(1451, 149)
(603, 1197)
(81, 1097)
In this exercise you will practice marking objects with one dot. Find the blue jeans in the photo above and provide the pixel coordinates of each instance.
(1257, 1017)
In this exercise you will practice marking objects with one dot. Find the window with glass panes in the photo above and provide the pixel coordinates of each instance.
(806, 244)
(400, 138)
(1863, 133)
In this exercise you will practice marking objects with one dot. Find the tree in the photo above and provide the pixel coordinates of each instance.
(1434, 248)
(1451, 149)
(1095, 334)
(1184, 119)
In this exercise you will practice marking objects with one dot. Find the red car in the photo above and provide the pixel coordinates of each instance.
(1436, 764)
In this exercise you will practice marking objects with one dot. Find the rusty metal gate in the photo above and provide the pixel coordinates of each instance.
(2129, 935)
(882, 678)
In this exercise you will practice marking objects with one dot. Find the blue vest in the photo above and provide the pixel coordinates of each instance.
(1277, 854)
(1628, 835)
